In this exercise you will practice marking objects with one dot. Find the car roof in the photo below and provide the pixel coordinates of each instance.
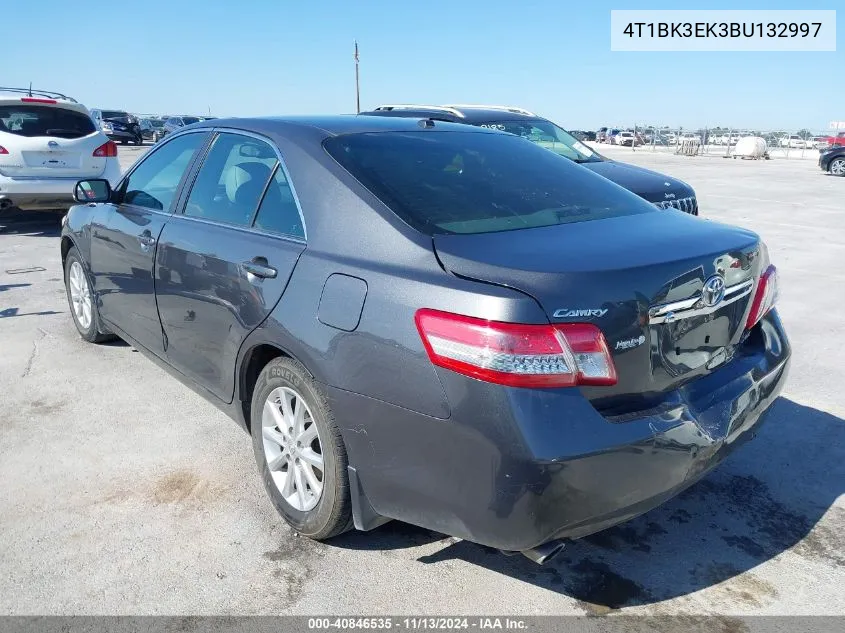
(333, 125)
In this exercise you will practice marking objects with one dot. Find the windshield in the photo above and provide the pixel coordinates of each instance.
(546, 134)
(472, 182)
(187, 120)
(30, 120)
(114, 114)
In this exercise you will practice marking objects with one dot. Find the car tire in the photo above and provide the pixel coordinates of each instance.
(837, 167)
(284, 463)
(83, 307)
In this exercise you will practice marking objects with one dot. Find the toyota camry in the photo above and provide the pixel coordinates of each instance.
(432, 322)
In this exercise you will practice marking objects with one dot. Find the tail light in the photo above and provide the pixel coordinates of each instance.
(517, 355)
(765, 296)
(3, 150)
(37, 100)
(106, 150)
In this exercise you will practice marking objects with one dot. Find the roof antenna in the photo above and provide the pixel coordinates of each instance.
(30, 88)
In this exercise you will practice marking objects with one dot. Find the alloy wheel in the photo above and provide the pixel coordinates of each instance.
(837, 167)
(292, 448)
(80, 295)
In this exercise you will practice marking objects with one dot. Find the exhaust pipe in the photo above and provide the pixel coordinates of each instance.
(545, 552)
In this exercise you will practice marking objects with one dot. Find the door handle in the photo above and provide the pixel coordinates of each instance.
(146, 239)
(258, 267)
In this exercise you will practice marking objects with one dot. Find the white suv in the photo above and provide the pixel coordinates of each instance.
(47, 143)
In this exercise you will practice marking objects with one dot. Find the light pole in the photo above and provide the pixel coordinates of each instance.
(357, 82)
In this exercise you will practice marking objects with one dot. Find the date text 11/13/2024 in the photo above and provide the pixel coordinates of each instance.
(422, 623)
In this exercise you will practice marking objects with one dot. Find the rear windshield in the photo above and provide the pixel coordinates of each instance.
(187, 120)
(465, 182)
(114, 114)
(32, 120)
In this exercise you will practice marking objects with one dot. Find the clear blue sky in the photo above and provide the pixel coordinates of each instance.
(254, 57)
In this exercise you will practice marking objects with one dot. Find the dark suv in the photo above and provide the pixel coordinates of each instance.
(661, 190)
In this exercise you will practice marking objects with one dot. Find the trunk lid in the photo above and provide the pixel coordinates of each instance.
(640, 279)
(52, 156)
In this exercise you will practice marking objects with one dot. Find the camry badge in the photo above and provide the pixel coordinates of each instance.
(713, 291)
(567, 312)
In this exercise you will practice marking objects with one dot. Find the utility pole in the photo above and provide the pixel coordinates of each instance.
(357, 82)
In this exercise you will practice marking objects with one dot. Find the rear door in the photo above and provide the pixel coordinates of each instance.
(223, 264)
(123, 247)
(43, 139)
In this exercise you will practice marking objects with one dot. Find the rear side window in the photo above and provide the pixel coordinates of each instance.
(475, 182)
(32, 120)
(232, 179)
(278, 211)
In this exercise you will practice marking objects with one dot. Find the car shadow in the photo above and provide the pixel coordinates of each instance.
(32, 223)
(767, 498)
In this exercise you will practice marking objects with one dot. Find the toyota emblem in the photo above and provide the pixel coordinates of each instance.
(713, 291)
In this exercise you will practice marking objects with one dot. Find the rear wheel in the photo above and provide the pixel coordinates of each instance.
(300, 451)
(83, 307)
(837, 167)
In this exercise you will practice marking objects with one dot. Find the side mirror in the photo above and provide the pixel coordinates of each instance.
(89, 191)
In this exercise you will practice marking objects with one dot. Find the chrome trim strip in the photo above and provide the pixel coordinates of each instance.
(688, 308)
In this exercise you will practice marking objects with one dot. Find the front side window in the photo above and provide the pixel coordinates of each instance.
(154, 182)
(32, 120)
(232, 179)
(547, 135)
(476, 182)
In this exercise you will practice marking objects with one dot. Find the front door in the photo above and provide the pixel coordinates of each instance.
(224, 263)
(123, 247)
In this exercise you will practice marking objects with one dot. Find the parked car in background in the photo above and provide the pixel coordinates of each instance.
(48, 141)
(819, 142)
(627, 138)
(832, 159)
(434, 304)
(601, 135)
(835, 139)
(119, 125)
(175, 123)
(582, 135)
(659, 189)
(149, 127)
(793, 141)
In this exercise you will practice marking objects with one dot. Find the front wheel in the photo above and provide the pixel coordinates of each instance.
(300, 451)
(83, 307)
(837, 167)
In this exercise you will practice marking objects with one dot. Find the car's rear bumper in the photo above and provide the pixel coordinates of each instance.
(515, 468)
(34, 194)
